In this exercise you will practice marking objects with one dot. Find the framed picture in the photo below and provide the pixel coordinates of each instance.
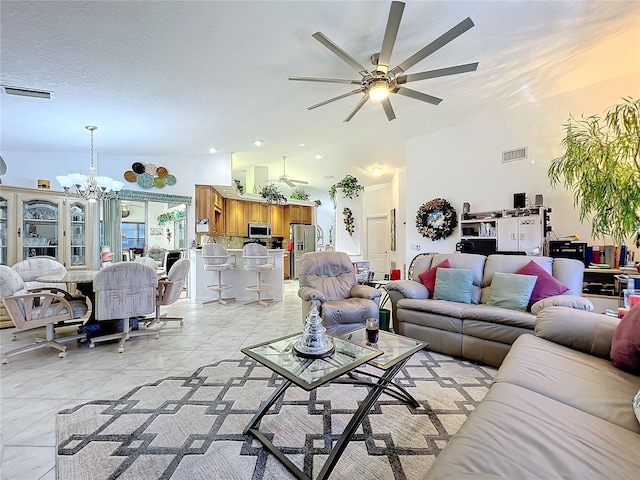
(155, 231)
(392, 223)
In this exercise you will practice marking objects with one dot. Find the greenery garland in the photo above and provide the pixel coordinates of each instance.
(168, 217)
(299, 194)
(350, 188)
(436, 219)
(348, 221)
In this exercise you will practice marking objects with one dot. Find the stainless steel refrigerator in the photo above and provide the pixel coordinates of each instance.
(304, 240)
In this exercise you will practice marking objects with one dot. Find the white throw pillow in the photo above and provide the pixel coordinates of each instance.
(636, 405)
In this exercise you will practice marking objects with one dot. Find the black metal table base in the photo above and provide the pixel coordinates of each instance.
(383, 383)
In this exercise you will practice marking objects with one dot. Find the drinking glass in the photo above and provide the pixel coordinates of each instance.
(631, 297)
(373, 330)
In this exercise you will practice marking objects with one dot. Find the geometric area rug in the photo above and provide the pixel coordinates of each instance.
(190, 427)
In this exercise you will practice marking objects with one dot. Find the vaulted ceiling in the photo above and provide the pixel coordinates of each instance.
(176, 78)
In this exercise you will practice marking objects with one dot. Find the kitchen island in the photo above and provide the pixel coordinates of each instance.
(238, 277)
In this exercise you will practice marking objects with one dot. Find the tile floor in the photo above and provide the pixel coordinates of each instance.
(35, 385)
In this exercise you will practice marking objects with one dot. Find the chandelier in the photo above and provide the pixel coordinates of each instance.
(90, 187)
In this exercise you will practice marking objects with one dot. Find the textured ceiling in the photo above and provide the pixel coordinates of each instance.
(176, 78)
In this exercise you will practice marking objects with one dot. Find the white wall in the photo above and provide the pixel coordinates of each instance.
(464, 163)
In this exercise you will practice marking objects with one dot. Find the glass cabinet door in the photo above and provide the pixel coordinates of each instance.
(40, 229)
(4, 215)
(78, 235)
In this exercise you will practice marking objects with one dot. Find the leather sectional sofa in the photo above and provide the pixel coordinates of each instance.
(558, 408)
(475, 330)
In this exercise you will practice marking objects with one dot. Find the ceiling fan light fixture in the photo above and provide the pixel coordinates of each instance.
(376, 171)
(378, 91)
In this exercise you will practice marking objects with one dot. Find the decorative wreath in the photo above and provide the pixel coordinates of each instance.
(348, 221)
(436, 219)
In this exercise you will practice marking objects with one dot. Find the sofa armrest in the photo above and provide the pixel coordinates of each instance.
(307, 294)
(408, 289)
(365, 291)
(570, 301)
(586, 332)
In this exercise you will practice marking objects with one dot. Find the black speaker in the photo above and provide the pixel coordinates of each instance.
(466, 207)
(539, 200)
(518, 200)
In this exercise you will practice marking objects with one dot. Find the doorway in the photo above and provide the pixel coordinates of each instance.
(377, 245)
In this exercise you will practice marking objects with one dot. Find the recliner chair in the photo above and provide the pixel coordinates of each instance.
(330, 278)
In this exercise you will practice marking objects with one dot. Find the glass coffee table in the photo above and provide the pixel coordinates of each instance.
(351, 351)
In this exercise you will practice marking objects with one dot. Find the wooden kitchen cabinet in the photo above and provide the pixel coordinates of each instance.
(259, 212)
(209, 205)
(300, 214)
(236, 218)
(278, 221)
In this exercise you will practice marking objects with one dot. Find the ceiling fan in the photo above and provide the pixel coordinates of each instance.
(379, 83)
(126, 208)
(284, 178)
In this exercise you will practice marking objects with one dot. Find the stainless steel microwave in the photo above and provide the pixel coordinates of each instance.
(259, 230)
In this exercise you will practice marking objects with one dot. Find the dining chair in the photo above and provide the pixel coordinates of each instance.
(32, 268)
(257, 259)
(124, 290)
(217, 259)
(169, 290)
(149, 262)
(35, 308)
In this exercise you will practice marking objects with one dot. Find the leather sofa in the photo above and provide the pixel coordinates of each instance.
(475, 330)
(557, 408)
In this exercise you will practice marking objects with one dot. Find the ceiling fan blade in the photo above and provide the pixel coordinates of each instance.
(423, 97)
(325, 80)
(388, 109)
(289, 182)
(362, 101)
(441, 72)
(390, 34)
(439, 42)
(321, 37)
(301, 182)
(339, 97)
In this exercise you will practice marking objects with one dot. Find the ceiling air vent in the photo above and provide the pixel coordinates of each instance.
(27, 92)
(514, 155)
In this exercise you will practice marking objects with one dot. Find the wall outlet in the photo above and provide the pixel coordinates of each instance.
(415, 246)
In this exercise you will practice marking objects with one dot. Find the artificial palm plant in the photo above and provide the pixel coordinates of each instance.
(601, 167)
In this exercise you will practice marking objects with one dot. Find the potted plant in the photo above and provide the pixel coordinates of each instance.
(349, 185)
(271, 193)
(299, 194)
(601, 167)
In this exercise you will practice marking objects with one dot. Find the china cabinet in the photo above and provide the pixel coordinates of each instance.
(44, 222)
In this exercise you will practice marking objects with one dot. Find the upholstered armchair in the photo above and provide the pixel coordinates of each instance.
(32, 268)
(35, 308)
(329, 277)
(169, 290)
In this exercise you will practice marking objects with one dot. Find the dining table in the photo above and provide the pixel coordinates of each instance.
(83, 280)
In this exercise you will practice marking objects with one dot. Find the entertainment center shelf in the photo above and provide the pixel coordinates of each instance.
(519, 230)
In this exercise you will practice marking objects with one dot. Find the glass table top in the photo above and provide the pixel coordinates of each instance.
(395, 347)
(309, 373)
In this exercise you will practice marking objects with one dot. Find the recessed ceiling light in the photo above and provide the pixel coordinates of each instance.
(318, 157)
(302, 144)
(258, 143)
(376, 171)
(212, 150)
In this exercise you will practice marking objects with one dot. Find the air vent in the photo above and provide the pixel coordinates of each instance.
(515, 155)
(27, 92)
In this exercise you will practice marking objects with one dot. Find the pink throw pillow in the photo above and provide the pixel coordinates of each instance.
(546, 285)
(428, 278)
(625, 344)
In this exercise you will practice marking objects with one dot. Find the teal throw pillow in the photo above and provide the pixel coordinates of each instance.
(511, 290)
(453, 284)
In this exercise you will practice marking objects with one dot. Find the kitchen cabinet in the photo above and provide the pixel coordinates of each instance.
(259, 212)
(278, 222)
(209, 206)
(300, 214)
(236, 218)
(43, 222)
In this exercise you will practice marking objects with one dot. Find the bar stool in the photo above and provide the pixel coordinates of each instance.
(256, 259)
(217, 259)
